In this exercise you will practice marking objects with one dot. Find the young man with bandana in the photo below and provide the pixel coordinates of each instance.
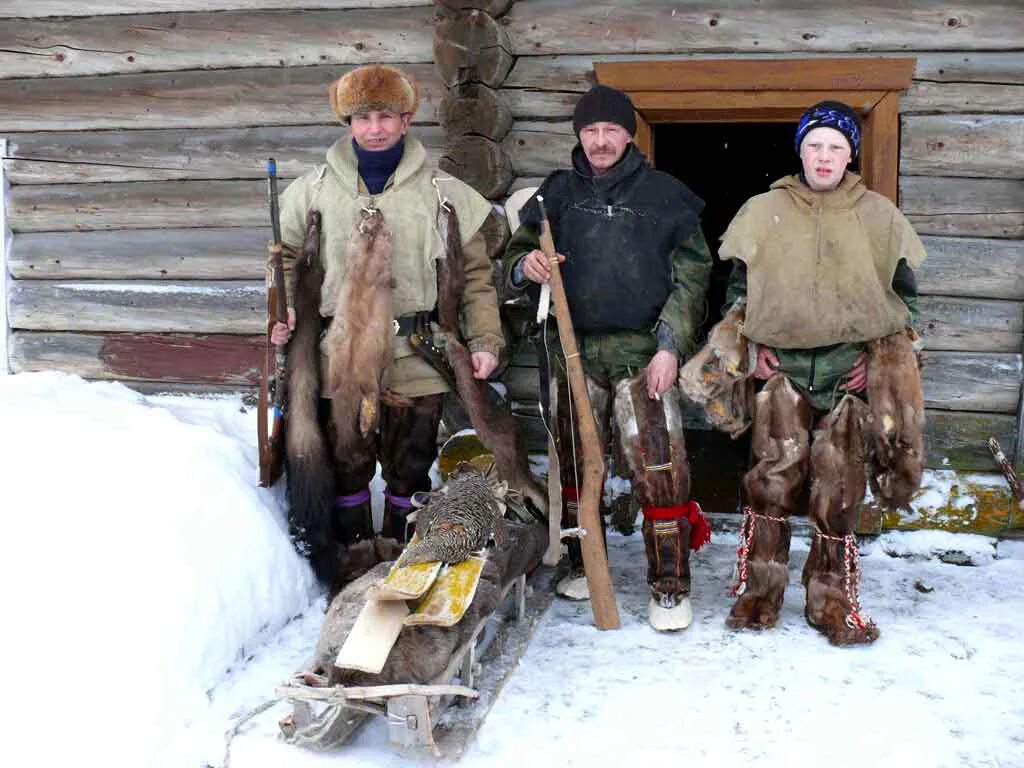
(825, 267)
(636, 271)
(380, 166)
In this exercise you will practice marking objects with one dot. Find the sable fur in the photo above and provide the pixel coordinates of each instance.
(896, 422)
(311, 488)
(781, 443)
(717, 376)
(360, 342)
(374, 86)
(487, 412)
(837, 491)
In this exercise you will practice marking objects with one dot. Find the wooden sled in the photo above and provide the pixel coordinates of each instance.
(325, 717)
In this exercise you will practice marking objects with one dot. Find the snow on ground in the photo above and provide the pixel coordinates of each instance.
(151, 597)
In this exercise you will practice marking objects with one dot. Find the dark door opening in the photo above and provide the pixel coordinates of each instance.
(725, 164)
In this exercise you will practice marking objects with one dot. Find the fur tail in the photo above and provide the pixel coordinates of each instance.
(311, 488)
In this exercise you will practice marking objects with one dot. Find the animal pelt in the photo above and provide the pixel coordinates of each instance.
(488, 413)
(781, 447)
(651, 437)
(717, 376)
(837, 468)
(828, 605)
(310, 474)
(896, 419)
(360, 342)
(422, 653)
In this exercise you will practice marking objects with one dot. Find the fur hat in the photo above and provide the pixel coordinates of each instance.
(374, 86)
(830, 114)
(604, 104)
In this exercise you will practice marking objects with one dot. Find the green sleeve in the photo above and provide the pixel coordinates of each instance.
(525, 239)
(691, 274)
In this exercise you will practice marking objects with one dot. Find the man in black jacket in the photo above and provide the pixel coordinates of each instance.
(636, 271)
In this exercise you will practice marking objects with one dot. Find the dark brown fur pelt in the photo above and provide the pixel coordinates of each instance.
(781, 447)
(837, 468)
(360, 342)
(489, 415)
(310, 475)
(896, 421)
(422, 653)
(651, 435)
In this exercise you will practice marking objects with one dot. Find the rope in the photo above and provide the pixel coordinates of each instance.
(851, 562)
(743, 550)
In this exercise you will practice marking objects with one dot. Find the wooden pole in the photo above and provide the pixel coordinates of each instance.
(595, 561)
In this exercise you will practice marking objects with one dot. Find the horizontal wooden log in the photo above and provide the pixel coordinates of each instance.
(972, 267)
(42, 8)
(124, 44)
(542, 27)
(959, 440)
(965, 207)
(193, 99)
(971, 325)
(989, 146)
(575, 73)
(538, 152)
(227, 306)
(967, 381)
(159, 155)
(924, 96)
(137, 205)
(493, 8)
(232, 253)
(215, 359)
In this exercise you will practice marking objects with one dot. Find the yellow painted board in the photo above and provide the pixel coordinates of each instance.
(448, 599)
(372, 636)
(407, 583)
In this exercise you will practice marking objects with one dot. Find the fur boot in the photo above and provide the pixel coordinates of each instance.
(782, 420)
(832, 572)
(667, 544)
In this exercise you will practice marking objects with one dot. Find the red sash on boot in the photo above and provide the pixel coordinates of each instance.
(700, 527)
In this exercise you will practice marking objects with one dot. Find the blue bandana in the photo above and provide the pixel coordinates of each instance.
(830, 114)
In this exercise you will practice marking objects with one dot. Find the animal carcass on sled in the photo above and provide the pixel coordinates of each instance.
(375, 657)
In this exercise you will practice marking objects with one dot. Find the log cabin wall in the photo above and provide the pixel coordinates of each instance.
(961, 159)
(136, 145)
(136, 152)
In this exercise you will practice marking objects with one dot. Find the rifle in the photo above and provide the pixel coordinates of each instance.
(595, 561)
(270, 414)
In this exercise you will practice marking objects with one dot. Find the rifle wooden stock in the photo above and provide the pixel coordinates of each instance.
(595, 560)
(270, 413)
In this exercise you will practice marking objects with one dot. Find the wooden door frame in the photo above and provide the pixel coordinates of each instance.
(768, 91)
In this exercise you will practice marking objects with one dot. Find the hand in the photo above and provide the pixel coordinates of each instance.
(281, 333)
(857, 378)
(484, 364)
(767, 362)
(536, 267)
(661, 373)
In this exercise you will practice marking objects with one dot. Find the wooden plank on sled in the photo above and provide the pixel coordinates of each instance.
(373, 636)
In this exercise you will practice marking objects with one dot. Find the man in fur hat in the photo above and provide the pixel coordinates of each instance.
(825, 270)
(636, 271)
(380, 202)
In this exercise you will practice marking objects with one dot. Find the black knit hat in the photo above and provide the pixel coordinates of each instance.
(603, 104)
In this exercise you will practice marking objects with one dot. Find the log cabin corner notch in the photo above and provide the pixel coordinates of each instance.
(776, 90)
